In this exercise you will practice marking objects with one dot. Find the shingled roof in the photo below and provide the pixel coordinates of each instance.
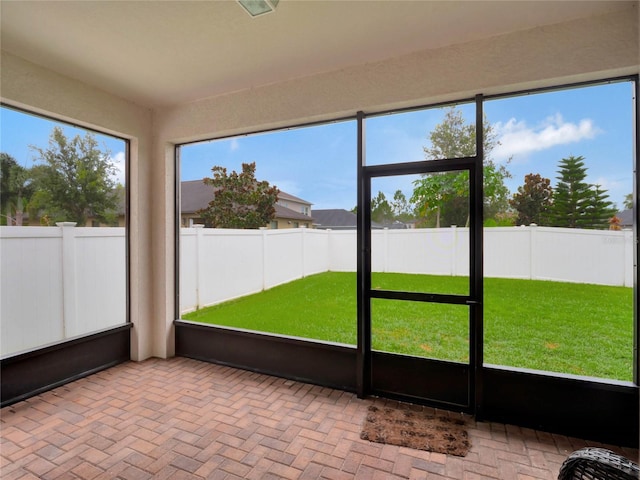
(337, 219)
(625, 216)
(194, 195)
(288, 214)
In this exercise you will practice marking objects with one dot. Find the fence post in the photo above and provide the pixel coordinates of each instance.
(385, 236)
(303, 241)
(69, 295)
(629, 263)
(329, 250)
(454, 250)
(199, 257)
(264, 257)
(533, 238)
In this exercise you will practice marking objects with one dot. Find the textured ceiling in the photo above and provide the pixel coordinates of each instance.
(159, 53)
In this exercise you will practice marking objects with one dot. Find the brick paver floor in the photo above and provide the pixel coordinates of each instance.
(185, 419)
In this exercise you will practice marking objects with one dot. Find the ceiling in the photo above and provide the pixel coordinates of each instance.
(159, 53)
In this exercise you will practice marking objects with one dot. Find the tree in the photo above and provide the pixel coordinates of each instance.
(454, 138)
(577, 204)
(402, 208)
(628, 201)
(15, 190)
(614, 223)
(571, 195)
(443, 194)
(446, 195)
(533, 200)
(75, 181)
(495, 192)
(381, 210)
(239, 200)
(599, 211)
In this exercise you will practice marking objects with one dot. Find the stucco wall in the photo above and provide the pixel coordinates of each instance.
(39, 90)
(584, 49)
(579, 50)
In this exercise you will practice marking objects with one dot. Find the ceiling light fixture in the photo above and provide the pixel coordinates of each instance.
(259, 7)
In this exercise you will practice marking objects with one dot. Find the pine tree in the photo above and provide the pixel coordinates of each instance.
(600, 211)
(381, 210)
(402, 209)
(577, 204)
(572, 194)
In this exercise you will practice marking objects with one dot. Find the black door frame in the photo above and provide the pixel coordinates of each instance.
(474, 299)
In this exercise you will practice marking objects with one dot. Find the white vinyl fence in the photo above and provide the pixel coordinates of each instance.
(57, 283)
(219, 265)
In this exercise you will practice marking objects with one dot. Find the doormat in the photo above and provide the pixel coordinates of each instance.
(419, 430)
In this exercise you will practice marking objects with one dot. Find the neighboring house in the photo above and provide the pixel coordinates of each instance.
(339, 219)
(291, 212)
(294, 203)
(334, 219)
(626, 219)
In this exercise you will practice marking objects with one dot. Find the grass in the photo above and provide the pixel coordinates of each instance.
(553, 326)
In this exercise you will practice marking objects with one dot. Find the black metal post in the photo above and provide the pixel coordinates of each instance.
(636, 226)
(363, 362)
(476, 327)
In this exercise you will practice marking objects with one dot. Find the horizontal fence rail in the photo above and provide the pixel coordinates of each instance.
(58, 283)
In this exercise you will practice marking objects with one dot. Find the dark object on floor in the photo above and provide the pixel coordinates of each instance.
(416, 429)
(598, 464)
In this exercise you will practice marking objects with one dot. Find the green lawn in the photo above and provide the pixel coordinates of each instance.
(559, 327)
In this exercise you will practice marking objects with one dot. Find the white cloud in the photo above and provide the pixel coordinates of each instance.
(606, 183)
(234, 145)
(118, 161)
(518, 139)
(615, 188)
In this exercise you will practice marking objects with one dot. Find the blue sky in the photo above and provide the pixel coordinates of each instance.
(535, 132)
(318, 163)
(19, 131)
